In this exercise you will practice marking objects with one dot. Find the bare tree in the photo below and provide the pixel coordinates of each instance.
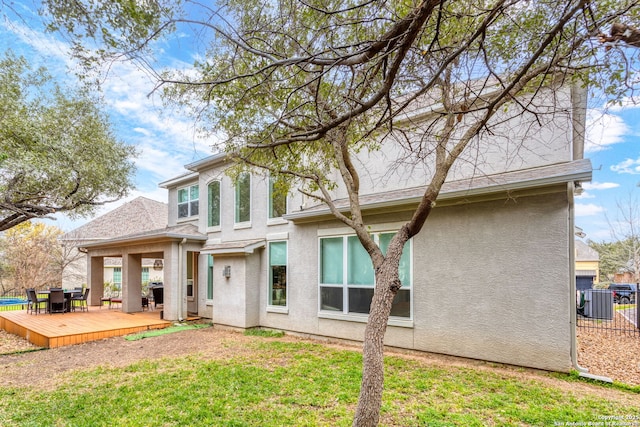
(32, 256)
(299, 88)
(625, 231)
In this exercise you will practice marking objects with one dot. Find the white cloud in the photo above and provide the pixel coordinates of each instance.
(585, 195)
(603, 130)
(600, 185)
(588, 209)
(628, 166)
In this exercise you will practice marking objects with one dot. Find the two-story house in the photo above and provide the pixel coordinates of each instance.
(492, 275)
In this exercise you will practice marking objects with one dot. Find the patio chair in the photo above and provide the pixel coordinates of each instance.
(57, 301)
(158, 296)
(33, 302)
(81, 301)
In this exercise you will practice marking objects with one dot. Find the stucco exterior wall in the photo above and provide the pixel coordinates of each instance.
(494, 282)
(236, 299)
(514, 143)
(476, 292)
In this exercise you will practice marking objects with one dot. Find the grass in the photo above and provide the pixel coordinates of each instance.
(278, 383)
(171, 329)
(266, 333)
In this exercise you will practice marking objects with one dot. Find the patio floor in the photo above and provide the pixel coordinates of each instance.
(57, 330)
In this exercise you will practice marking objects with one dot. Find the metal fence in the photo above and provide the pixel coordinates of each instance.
(609, 310)
(13, 300)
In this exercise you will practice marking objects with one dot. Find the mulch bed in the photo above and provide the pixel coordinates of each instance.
(609, 353)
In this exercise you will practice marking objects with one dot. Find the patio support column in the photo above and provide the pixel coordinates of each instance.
(132, 283)
(95, 274)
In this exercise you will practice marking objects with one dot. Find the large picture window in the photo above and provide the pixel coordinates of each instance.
(278, 273)
(347, 278)
(243, 198)
(188, 201)
(213, 194)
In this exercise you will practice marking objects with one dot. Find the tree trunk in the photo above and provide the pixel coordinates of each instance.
(370, 400)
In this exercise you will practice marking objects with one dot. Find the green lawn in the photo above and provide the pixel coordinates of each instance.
(304, 384)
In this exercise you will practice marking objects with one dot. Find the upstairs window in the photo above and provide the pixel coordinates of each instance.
(213, 194)
(243, 198)
(277, 197)
(188, 201)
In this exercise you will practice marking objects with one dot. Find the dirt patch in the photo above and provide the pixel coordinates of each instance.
(10, 343)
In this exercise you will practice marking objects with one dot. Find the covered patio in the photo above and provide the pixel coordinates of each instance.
(57, 330)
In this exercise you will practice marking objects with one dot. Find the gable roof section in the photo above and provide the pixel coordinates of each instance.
(137, 216)
(577, 170)
(585, 253)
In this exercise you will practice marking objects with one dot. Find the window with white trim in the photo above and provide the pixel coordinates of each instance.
(277, 197)
(209, 277)
(347, 279)
(278, 274)
(213, 195)
(117, 277)
(188, 201)
(243, 198)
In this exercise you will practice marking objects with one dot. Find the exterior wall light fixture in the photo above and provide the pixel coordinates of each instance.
(226, 272)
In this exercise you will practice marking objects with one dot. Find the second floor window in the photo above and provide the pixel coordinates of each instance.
(188, 201)
(213, 191)
(243, 198)
(277, 198)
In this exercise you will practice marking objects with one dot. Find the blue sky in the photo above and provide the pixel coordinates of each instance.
(167, 141)
(613, 145)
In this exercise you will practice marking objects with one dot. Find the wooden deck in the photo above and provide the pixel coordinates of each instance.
(57, 330)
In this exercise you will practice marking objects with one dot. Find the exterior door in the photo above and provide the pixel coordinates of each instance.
(192, 282)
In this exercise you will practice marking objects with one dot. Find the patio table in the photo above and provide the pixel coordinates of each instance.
(67, 296)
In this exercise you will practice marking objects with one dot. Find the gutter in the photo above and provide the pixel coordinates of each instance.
(547, 176)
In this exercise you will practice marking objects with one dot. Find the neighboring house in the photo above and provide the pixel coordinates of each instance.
(490, 277)
(139, 215)
(587, 266)
(624, 277)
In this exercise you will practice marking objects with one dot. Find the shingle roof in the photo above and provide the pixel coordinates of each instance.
(177, 232)
(585, 253)
(137, 216)
(234, 247)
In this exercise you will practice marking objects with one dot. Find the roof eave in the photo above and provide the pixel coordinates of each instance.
(581, 175)
(173, 182)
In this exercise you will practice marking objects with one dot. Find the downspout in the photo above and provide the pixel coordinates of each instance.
(180, 270)
(573, 310)
(573, 319)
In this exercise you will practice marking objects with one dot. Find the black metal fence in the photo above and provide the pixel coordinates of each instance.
(609, 310)
(13, 300)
